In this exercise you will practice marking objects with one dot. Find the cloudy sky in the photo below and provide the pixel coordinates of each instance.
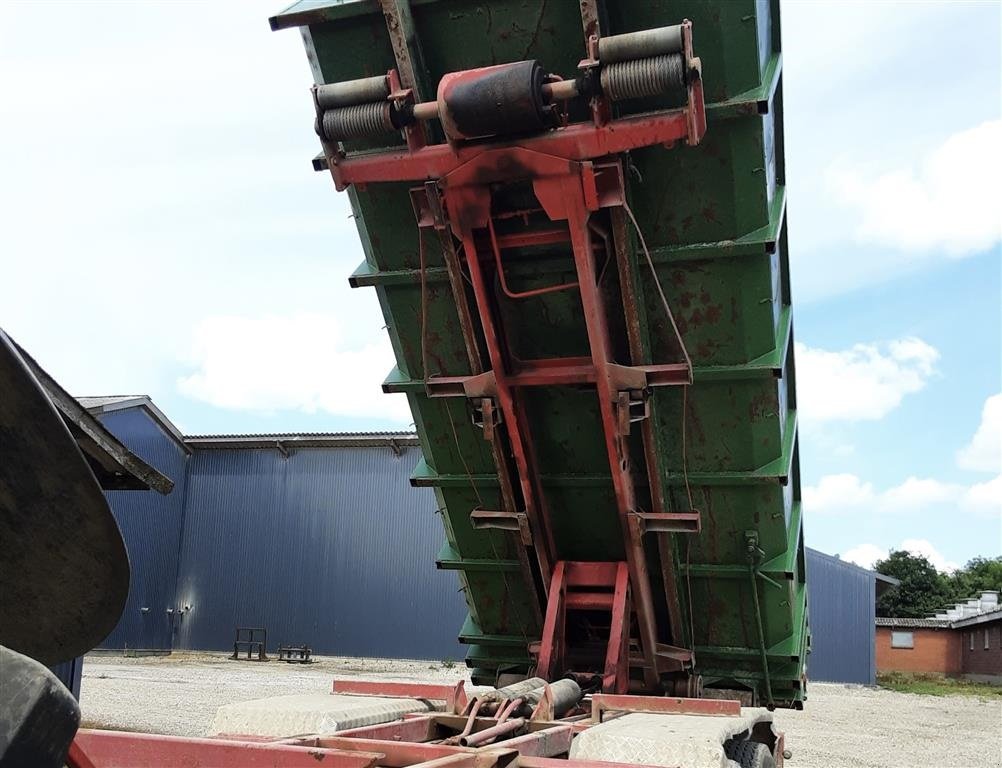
(162, 233)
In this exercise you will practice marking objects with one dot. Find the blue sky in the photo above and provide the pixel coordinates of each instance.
(163, 234)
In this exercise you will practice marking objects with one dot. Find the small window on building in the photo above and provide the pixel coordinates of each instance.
(987, 642)
(902, 640)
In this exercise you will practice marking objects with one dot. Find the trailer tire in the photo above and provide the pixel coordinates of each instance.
(749, 754)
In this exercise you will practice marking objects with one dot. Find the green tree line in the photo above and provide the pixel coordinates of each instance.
(924, 590)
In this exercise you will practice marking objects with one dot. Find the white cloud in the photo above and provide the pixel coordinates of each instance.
(862, 383)
(185, 193)
(846, 493)
(292, 362)
(918, 493)
(950, 202)
(834, 493)
(984, 452)
(985, 497)
(866, 555)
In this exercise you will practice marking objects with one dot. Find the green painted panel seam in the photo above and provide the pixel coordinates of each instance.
(765, 366)
(768, 365)
(723, 651)
(471, 635)
(449, 560)
(787, 562)
(760, 241)
(754, 243)
(755, 101)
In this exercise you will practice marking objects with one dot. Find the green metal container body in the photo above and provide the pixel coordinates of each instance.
(714, 219)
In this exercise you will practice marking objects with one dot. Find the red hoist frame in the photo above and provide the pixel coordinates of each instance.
(574, 171)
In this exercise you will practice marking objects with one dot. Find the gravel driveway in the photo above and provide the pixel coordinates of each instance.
(841, 726)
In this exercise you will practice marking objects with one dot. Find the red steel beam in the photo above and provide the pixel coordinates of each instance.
(551, 645)
(114, 749)
(77, 758)
(608, 702)
(581, 141)
(393, 754)
(548, 372)
(548, 762)
(532, 238)
(570, 198)
(638, 355)
(616, 675)
(589, 601)
(543, 743)
(477, 203)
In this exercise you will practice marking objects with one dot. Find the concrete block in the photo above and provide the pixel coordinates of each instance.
(687, 741)
(310, 713)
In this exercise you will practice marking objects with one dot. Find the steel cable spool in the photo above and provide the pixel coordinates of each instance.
(357, 121)
(643, 77)
(640, 45)
(351, 92)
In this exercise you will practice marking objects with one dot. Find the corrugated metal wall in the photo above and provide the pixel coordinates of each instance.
(325, 546)
(332, 547)
(841, 602)
(151, 526)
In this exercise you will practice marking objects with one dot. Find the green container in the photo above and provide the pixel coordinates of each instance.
(714, 218)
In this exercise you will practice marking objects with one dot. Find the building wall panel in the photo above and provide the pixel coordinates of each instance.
(841, 603)
(151, 526)
(979, 660)
(325, 546)
(934, 651)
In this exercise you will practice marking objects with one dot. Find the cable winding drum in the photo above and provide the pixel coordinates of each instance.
(643, 77)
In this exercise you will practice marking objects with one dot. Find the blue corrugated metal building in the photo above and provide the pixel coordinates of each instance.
(321, 539)
(318, 538)
(150, 523)
(841, 601)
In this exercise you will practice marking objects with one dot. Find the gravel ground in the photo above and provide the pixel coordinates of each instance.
(841, 726)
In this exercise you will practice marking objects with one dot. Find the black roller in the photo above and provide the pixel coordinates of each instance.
(506, 99)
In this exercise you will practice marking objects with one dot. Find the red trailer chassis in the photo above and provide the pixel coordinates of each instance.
(416, 741)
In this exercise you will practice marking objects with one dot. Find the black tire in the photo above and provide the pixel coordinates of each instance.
(750, 754)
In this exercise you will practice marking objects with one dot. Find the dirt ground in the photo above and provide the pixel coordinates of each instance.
(840, 727)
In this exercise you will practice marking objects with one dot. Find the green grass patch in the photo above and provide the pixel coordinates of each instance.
(937, 685)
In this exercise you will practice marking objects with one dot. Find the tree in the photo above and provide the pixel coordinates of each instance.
(923, 589)
(979, 574)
